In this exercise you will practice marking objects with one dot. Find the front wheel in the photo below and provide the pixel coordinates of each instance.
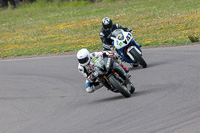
(138, 58)
(117, 85)
(132, 89)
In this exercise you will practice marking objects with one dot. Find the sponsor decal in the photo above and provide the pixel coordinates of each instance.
(119, 36)
(95, 60)
(120, 44)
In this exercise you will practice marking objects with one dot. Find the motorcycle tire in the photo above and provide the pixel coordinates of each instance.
(138, 58)
(116, 84)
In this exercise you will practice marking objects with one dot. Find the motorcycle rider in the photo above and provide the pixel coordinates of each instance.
(107, 28)
(85, 67)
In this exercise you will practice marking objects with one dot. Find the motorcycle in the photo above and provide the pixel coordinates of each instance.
(112, 75)
(127, 48)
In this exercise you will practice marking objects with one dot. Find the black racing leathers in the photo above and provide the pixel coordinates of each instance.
(105, 36)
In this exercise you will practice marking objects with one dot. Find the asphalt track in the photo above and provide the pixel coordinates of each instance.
(47, 95)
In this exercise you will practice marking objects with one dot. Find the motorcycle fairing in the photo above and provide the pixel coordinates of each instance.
(123, 51)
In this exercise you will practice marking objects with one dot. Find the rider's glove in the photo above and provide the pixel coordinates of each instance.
(108, 54)
(111, 47)
(132, 32)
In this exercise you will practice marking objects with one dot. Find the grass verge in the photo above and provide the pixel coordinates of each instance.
(44, 28)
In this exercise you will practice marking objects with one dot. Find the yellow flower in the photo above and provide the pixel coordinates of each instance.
(147, 41)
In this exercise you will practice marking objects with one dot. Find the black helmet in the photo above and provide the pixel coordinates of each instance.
(107, 24)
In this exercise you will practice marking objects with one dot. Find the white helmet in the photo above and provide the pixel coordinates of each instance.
(83, 57)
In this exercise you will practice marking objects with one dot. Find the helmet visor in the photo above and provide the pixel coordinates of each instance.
(83, 61)
(108, 27)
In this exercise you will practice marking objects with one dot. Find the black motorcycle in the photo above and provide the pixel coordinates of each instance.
(112, 75)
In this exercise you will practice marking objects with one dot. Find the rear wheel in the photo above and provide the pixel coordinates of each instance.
(138, 58)
(117, 85)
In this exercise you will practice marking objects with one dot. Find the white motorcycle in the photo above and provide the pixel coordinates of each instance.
(127, 48)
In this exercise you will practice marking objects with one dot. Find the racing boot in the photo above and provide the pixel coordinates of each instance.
(125, 68)
(91, 87)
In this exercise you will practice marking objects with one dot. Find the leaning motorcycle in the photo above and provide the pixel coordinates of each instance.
(127, 48)
(112, 75)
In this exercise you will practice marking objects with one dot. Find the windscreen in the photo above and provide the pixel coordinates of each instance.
(98, 62)
(118, 34)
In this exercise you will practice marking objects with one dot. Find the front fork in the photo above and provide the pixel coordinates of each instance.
(130, 55)
(119, 73)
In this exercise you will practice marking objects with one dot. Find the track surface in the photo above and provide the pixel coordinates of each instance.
(47, 95)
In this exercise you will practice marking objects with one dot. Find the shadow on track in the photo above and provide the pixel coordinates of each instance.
(143, 92)
(118, 97)
(156, 64)
(148, 65)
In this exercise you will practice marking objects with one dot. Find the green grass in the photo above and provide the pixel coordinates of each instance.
(42, 27)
